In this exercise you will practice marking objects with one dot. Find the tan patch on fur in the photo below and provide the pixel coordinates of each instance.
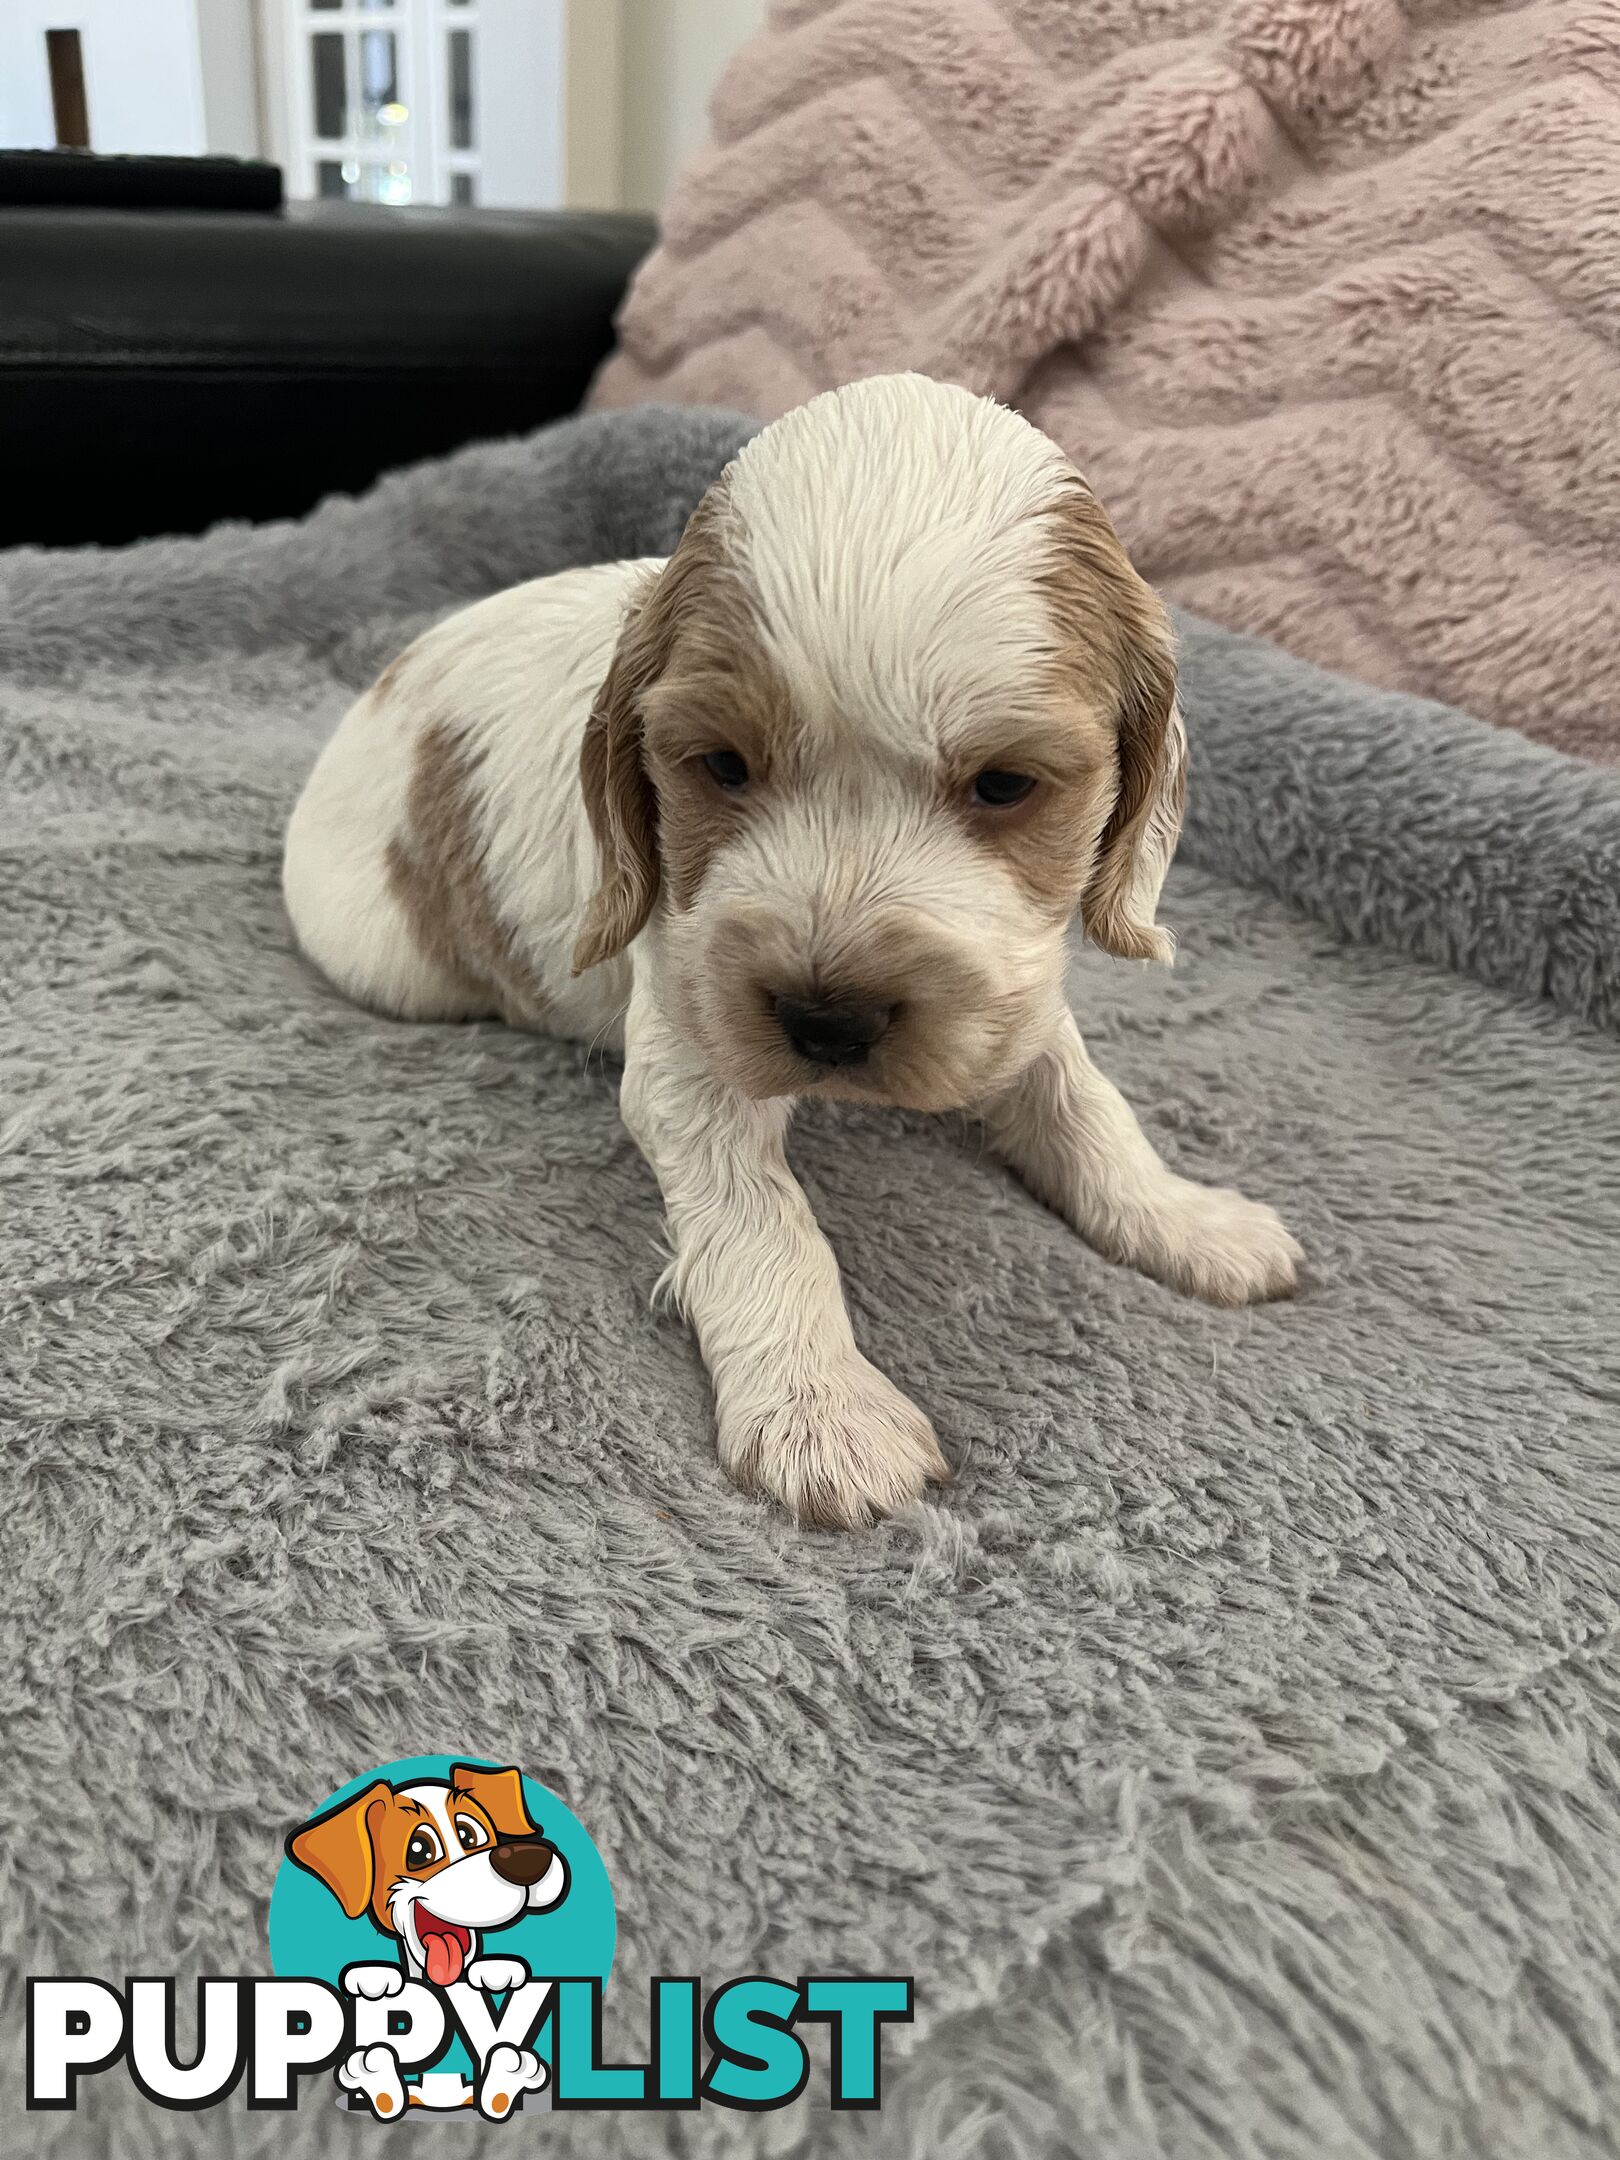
(436, 872)
(688, 677)
(746, 709)
(894, 957)
(1048, 842)
(388, 681)
(1117, 655)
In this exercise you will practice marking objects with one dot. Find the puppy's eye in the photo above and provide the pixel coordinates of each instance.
(726, 768)
(997, 790)
(470, 1834)
(423, 1849)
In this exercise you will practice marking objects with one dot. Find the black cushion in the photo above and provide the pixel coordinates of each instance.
(90, 181)
(162, 370)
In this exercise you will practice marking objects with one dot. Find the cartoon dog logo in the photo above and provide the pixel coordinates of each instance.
(437, 1865)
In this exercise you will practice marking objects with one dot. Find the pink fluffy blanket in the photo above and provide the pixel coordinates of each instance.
(1323, 295)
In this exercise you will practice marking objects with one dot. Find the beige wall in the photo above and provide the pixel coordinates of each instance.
(671, 55)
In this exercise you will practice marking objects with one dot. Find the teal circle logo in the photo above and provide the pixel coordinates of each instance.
(313, 1934)
(434, 1862)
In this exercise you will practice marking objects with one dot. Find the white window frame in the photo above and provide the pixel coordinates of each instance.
(517, 157)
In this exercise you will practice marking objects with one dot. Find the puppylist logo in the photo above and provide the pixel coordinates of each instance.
(441, 1934)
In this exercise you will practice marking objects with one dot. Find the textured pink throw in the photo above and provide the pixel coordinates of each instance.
(1323, 295)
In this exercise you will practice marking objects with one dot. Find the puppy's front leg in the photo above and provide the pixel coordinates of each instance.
(802, 1416)
(1072, 1138)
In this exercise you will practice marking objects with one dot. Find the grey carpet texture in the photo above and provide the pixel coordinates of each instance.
(1230, 1754)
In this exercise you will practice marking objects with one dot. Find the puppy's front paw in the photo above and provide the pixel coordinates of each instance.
(1211, 1243)
(840, 1450)
(495, 1975)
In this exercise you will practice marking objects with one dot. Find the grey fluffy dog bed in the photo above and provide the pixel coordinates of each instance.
(1230, 1754)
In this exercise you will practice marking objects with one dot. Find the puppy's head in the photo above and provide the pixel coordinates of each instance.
(435, 1862)
(896, 709)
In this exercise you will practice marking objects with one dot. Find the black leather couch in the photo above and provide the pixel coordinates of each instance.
(161, 369)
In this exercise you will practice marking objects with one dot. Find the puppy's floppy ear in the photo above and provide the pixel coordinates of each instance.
(620, 798)
(1119, 902)
(336, 1847)
(499, 1793)
(1116, 632)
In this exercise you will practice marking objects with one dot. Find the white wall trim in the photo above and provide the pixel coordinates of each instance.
(517, 160)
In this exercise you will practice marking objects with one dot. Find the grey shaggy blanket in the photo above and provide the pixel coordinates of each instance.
(1230, 1754)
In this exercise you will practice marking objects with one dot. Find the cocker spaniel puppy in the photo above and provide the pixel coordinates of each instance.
(805, 810)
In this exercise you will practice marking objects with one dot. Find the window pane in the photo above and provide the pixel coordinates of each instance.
(329, 180)
(378, 80)
(373, 6)
(377, 182)
(462, 189)
(380, 109)
(461, 90)
(331, 92)
(329, 5)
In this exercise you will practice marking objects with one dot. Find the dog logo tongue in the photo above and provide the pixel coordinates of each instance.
(444, 1948)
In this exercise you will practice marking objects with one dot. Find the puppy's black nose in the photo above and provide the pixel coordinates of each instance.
(833, 1034)
(521, 1860)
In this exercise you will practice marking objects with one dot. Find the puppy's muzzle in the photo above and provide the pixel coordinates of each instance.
(521, 1860)
(834, 1033)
